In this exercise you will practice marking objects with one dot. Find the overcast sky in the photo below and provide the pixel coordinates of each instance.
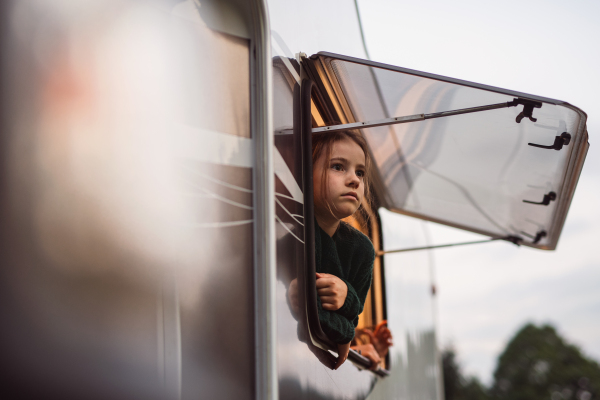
(548, 48)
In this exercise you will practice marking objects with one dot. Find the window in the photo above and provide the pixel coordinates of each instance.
(480, 158)
(488, 160)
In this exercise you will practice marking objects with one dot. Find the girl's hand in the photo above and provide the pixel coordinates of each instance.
(332, 291)
(343, 350)
(367, 350)
(382, 338)
(293, 296)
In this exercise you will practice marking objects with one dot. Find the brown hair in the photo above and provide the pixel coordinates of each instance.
(323, 143)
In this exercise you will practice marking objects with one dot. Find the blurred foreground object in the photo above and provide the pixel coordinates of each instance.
(126, 201)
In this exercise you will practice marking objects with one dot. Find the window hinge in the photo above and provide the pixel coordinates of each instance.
(538, 236)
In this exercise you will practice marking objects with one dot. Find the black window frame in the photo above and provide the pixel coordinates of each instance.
(312, 314)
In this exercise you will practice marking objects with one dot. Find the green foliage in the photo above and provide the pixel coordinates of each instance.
(456, 386)
(538, 364)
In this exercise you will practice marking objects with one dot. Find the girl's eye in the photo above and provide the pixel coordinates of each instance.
(337, 167)
(360, 174)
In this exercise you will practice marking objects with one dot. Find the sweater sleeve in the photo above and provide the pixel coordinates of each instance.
(337, 327)
(359, 284)
(352, 306)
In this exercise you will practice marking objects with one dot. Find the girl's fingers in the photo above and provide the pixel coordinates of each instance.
(383, 334)
(325, 292)
(370, 352)
(326, 299)
(381, 325)
(329, 304)
(375, 363)
(324, 282)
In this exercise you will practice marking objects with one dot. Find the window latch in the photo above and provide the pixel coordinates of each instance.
(559, 141)
(528, 106)
(551, 196)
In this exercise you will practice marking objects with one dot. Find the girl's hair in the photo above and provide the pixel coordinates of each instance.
(322, 143)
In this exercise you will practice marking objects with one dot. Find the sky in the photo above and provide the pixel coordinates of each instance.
(547, 48)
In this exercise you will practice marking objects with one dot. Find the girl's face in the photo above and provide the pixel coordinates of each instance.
(345, 172)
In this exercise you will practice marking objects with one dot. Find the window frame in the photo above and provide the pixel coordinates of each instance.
(317, 336)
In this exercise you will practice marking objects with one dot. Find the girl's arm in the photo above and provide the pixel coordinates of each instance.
(332, 291)
(347, 297)
(358, 288)
(353, 305)
(339, 295)
(337, 327)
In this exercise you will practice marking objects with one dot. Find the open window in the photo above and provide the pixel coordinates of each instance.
(488, 160)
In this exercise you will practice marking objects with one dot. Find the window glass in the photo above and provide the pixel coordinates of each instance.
(472, 170)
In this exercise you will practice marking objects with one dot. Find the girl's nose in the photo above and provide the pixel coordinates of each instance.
(354, 180)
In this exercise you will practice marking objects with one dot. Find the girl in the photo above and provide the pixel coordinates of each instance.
(344, 256)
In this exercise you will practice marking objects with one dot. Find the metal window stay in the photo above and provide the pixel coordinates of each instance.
(528, 106)
(513, 239)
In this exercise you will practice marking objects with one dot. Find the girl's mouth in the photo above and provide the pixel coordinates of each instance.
(351, 194)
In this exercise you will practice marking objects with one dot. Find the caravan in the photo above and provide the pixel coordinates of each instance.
(156, 199)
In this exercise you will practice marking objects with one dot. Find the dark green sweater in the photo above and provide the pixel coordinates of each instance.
(349, 255)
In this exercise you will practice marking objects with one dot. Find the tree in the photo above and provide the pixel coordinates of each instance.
(456, 386)
(538, 364)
